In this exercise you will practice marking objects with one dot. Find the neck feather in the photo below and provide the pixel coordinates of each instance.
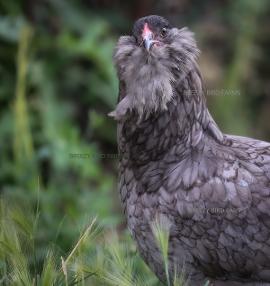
(185, 124)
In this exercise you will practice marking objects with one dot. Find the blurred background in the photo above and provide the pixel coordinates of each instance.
(58, 147)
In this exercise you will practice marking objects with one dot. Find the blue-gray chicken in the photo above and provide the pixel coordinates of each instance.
(211, 190)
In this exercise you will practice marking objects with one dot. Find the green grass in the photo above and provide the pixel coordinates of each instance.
(99, 257)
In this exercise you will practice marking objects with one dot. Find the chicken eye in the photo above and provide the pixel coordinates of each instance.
(163, 32)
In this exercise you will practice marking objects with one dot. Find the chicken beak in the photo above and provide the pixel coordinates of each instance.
(148, 37)
(148, 41)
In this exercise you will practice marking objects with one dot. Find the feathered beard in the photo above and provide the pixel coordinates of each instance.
(149, 77)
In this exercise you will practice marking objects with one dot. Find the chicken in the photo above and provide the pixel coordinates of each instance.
(211, 189)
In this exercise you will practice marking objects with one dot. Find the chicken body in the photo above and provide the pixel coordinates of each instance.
(212, 190)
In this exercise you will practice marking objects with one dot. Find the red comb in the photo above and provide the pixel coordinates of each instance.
(146, 29)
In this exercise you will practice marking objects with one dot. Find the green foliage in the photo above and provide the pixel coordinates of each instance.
(52, 83)
(238, 60)
(240, 66)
